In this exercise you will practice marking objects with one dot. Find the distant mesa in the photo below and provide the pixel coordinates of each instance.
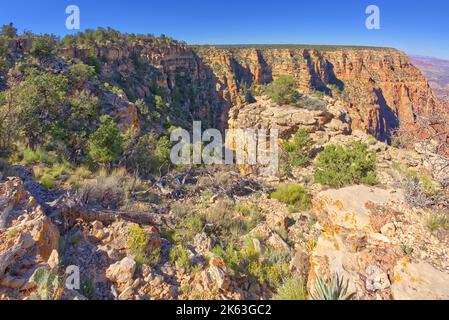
(437, 71)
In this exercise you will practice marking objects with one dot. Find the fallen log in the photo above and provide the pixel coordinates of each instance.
(73, 210)
(107, 216)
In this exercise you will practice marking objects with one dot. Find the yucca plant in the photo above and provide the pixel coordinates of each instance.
(334, 288)
(48, 284)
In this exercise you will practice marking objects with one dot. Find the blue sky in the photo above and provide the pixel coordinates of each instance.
(417, 27)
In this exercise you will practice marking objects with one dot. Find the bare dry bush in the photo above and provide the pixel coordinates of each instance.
(415, 196)
(106, 192)
(430, 136)
(110, 191)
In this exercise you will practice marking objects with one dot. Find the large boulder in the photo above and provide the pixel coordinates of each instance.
(419, 281)
(27, 237)
(122, 272)
(359, 242)
(349, 207)
(13, 196)
(34, 237)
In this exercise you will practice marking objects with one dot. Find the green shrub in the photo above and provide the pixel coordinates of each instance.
(43, 46)
(251, 213)
(141, 153)
(283, 90)
(180, 210)
(148, 154)
(180, 256)
(105, 144)
(47, 181)
(83, 172)
(39, 103)
(163, 150)
(30, 156)
(188, 228)
(295, 153)
(142, 107)
(221, 214)
(438, 221)
(230, 227)
(268, 271)
(269, 274)
(115, 90)
(248, 251)
(275, 255)
(48, 158)
(159, 103)
(48, 176)
(48, 284)
(230, 256)
(406, 249)
(294, 195)
(80, 73)
(429, 187)
(281, 232)
(138, 246)
(292, 289)
(8, 30)
(194, 224)
(319, 94)
(243, 209)
(58, 170)
(339, 166)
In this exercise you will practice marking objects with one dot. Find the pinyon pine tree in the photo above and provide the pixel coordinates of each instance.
(105, 144)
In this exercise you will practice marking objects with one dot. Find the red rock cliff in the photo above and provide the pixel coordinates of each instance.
(381, 87)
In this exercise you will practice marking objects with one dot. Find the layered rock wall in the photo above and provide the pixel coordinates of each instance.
(382, 88)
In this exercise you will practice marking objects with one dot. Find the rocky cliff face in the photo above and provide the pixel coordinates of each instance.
(142, 67)
(146, 67)
(382, 89)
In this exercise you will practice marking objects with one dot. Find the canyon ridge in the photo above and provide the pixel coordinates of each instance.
(360, 204)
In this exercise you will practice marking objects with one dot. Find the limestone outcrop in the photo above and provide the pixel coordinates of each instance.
(367, 237)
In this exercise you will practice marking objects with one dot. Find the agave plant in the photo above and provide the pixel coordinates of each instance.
(47, 284)
(334, 288)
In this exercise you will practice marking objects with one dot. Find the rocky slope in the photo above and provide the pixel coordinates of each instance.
(374, 237)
